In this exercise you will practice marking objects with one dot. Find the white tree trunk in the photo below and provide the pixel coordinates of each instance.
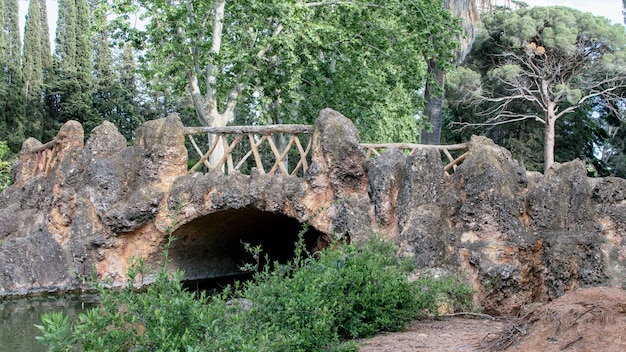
(219, 120)
(548, 139)
(206, 105)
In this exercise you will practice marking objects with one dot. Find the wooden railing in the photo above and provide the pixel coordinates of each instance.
(409, 148)
(44, 158)
(272, 158)
(268, 155)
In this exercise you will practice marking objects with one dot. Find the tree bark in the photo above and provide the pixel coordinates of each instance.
(548, 145)
(434, 102)
(219, 120)
(264, 129)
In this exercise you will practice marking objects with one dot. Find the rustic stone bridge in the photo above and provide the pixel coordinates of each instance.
(518, 237)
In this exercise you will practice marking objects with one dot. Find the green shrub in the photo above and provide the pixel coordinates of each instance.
(6, 178)
(57, 332)
(308, 304)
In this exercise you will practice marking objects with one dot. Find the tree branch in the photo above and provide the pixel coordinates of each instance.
(497, 123)
(277, 31)
(323, 3)
(216, 43)
(234, 96)
(198, 100)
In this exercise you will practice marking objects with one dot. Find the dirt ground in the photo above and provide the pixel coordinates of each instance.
(448, 334)
(591, 319)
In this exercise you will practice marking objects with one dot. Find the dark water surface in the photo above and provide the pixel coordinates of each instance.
(19, 316)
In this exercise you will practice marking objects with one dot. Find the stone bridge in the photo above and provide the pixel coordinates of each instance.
(518, 237)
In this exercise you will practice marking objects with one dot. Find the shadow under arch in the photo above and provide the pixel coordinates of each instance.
(210, 247)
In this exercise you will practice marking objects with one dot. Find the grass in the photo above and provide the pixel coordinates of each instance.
(311, 303)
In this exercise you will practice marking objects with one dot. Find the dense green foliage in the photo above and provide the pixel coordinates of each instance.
(252, 62)
(266, 62)
(5, 167)
(11, 80)
(115, 92)
(33, 72)
(283, 61)
(73, 79)
(307, 304)
(547, 68)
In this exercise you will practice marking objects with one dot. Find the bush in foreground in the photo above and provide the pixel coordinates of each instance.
(307, 304)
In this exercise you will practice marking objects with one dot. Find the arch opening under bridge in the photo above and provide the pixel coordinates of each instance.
(211, 247)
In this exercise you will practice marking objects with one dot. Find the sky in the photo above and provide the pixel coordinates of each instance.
(51, 7)
(611, 9)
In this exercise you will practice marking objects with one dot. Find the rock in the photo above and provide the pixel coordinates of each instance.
(517, 237)
(32, 263)
(160, 151)
(134, 211)
(385, 175)
(337, 154)
(104, 140)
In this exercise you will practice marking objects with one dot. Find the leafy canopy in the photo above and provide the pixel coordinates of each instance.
(283, 61)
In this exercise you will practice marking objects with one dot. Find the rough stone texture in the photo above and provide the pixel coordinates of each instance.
(517, 237)
(531, 239)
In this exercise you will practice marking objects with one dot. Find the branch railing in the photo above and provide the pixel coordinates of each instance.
(256, 146)
(260, 149)
(44, 158)
(410, 148)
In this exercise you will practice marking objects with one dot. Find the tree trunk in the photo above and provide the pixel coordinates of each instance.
(434, 102)
(219, 120)
(548, 142)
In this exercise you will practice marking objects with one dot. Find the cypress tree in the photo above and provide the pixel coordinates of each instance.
(33, 72)
(105, 78)
(130, 115)
(46, 59)
(13, 99)
(114, 97)
(49, 127)
(3, 76)
(72, 83)
(64, 63)
(65, 49)
(84, 62)
(115, 85)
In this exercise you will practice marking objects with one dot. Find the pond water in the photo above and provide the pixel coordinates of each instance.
(19, 316)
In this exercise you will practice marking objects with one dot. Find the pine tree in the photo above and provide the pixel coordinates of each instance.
(13, 100)
(33, 72)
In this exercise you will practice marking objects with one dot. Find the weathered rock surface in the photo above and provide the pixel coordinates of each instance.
(518, 237)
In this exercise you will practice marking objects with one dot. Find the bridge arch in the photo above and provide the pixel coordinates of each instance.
(211, 246)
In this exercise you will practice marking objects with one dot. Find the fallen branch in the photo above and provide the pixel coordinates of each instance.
(478, 315)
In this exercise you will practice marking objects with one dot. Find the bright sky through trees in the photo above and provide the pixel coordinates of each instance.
(611, 9)
(52, 8)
